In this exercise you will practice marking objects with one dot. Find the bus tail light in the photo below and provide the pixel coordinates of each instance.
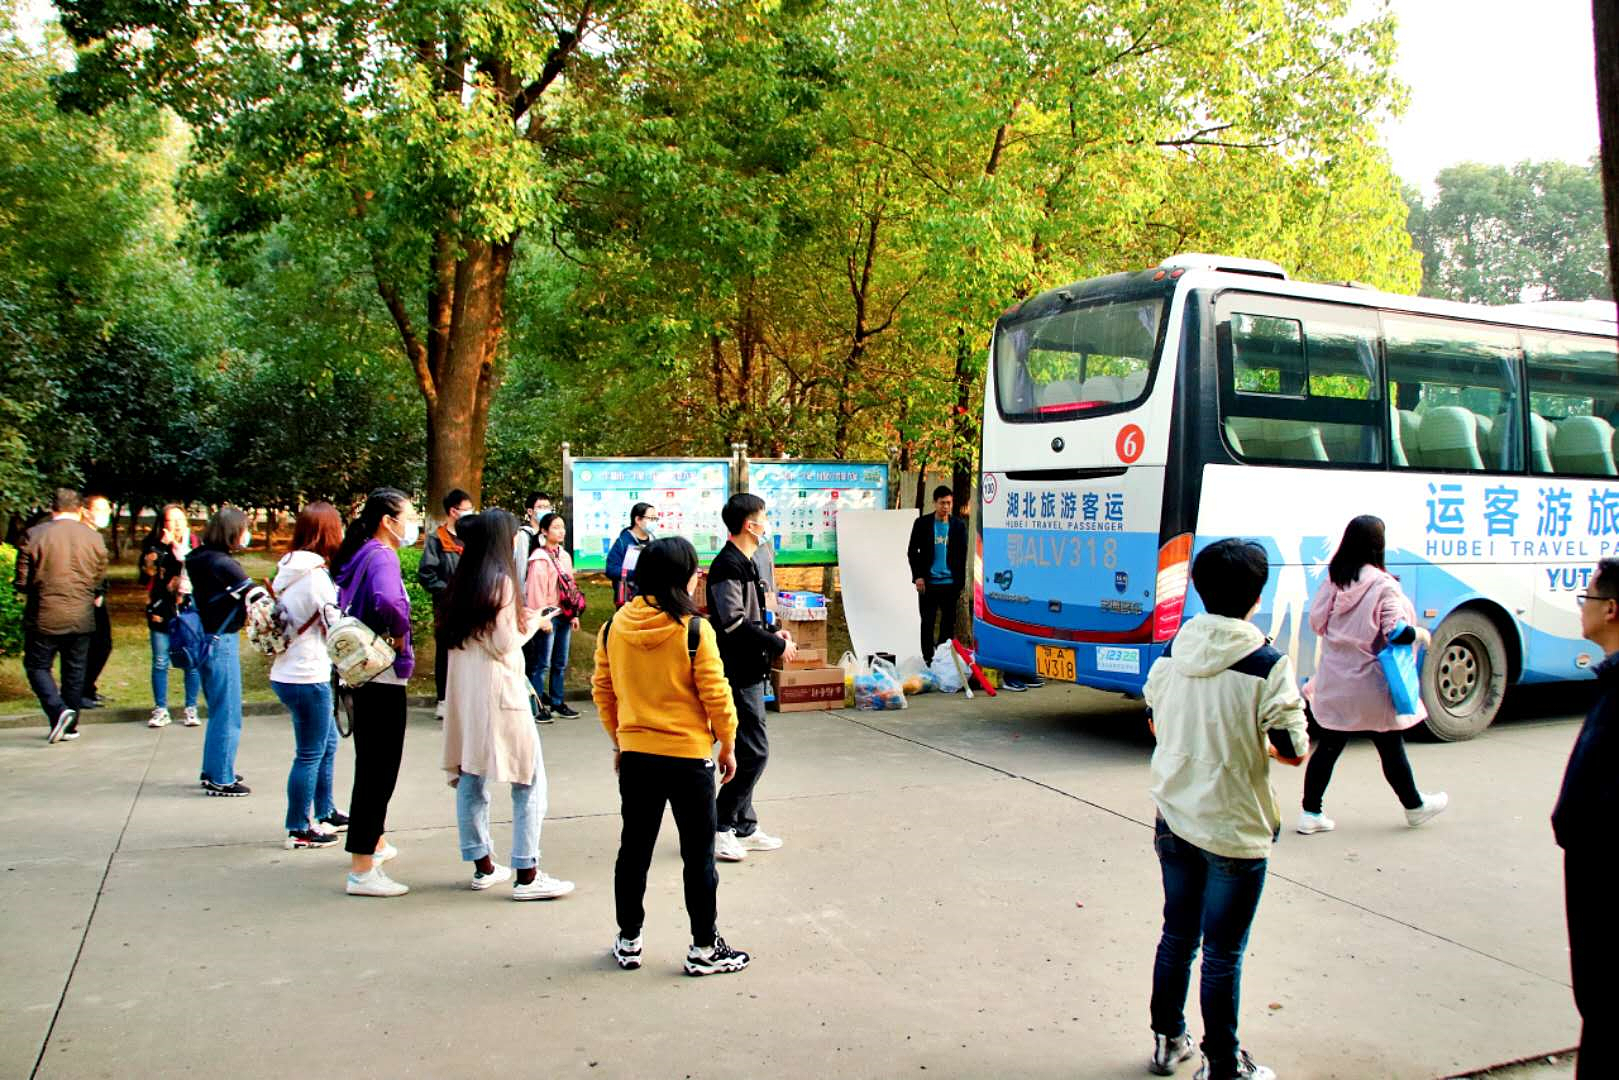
(1174, 566)
(978, 579)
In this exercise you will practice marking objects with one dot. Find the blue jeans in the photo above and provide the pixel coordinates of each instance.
(222, 687)
(314, 740)
(556, 661)
(160, 673)
(528, 811)
(537, 657)
(1210, 899)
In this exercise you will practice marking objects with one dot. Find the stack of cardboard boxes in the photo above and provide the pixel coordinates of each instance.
(807, 682)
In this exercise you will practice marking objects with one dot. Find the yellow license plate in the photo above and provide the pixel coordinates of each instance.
(1051, 662)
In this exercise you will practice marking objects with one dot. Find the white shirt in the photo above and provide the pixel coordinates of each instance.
(304, 588)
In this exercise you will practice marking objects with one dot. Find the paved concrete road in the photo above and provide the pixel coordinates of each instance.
(967, 890)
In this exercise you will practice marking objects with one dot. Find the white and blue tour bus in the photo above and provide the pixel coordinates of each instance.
(1132, 419)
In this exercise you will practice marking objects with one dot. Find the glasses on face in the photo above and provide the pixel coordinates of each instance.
(1581, 598)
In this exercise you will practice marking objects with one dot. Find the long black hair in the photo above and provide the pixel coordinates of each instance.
(663, 574)
(381, 503)
(485, 579)
(1362, 545)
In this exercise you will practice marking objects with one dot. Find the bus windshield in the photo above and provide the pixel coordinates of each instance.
(1090, 358)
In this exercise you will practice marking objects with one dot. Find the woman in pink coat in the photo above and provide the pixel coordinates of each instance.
(1355, 613)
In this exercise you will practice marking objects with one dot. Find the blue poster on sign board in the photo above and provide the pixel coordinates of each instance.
(802, 499)
(687, 495)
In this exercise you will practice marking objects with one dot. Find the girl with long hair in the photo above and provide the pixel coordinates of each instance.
(1358, 610)
(163, 569)
(222, 590)
(489, 732)
(550, 569)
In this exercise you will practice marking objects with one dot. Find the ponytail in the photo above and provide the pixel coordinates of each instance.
(381, 503)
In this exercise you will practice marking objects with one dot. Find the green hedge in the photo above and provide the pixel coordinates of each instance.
(421, 604)
(11, 604)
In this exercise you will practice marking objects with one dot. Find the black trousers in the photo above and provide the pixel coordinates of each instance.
(1390, 748)
(735, 803)
(39, 657)
(1593, 950)
(938, 607)
(100, 650)
(379, 746)
(645, 783)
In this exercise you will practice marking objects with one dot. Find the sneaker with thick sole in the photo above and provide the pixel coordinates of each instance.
(308, 838)
(759, 840)
(336, 822)
(374, 883)
(159, 718)
(384, 853)
(544, 717)
(1168, 1052)
(1033, 682)
(727, 848)
(69, 736)
(1310, 824)
(1432, 806)
(627, 953)
(190, 717)
(1247, 1069)
(543, 887)
(481, 880)
(228, 791)
(717, 959)
(58, 729)
(566, 711)
(438, 712)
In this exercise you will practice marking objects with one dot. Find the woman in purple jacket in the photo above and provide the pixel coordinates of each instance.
(1359, 609)
(370, 588)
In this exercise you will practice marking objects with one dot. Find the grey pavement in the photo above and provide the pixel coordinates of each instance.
(968, 890)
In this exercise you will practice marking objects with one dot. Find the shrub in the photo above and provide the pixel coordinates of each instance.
(11, 604)
(421, 603)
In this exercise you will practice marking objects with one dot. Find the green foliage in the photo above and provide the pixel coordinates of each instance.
(11, 604)
(421, 602)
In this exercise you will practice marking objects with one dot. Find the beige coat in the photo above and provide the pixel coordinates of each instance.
(488, 726)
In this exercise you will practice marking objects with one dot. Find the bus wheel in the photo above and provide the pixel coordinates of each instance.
(1464, 676)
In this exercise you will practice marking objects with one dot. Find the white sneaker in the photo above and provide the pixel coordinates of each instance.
(1313, 823)
(1432, 806)
(159, 718)
(383, 854)
(375, 883)
(759, 840)
(191, 717)
(481, 880)
(727, 848)
(438, 712)
(1247, 1069)
(627, 953)
(59, 729)
(543, 887)
(1168, 1053)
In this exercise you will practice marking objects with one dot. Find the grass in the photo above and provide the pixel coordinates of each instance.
(126, 682)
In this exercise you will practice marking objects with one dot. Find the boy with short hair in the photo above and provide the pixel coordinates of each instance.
(1222, 702)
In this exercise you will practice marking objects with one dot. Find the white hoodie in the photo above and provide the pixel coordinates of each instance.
(304, 587)
(1220, 696)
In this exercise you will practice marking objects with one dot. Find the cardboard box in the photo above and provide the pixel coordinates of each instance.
(804, 661)
(799, 601)
(809, 690)
(808, 634)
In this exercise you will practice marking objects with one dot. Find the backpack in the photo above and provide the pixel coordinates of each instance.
(693, 635)
(358, 653)
(189, 640)
(269, 629)
(570, 598)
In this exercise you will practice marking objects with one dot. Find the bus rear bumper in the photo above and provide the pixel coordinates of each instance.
(1120, 668)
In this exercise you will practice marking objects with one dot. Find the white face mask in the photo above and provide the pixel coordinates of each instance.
(413, 532)
(103, 518)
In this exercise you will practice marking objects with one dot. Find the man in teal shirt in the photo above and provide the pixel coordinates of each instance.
(937, 553)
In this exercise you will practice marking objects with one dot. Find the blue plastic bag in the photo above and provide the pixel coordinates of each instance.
(1399, 663)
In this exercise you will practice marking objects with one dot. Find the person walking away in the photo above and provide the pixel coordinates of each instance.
(1220, 699)
(301, 677)
(96, 513)
(1586, 806)
(440, 555)
(371, 588)
(61, 567)
(1356, 611)
(489, 732)
(626, 550)
(163, 559)
(222, 592)
(937, 553)
(747, 646)
(665, 705)
(550, 583)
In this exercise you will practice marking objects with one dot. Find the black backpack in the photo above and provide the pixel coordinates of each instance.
(693, 635)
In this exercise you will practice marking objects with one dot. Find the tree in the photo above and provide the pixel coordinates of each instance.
(1605, 27)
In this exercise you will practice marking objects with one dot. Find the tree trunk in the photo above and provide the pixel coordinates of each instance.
(1605, 24)
(964, 423)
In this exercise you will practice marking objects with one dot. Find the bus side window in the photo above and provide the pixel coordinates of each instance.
(1456, 388)
(1573, 383)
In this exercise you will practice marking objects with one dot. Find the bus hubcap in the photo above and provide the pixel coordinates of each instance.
(1458, 672)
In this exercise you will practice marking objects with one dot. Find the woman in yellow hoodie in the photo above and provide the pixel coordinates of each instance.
(661, 690)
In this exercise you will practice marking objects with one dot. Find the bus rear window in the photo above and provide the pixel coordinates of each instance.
(1088, 359)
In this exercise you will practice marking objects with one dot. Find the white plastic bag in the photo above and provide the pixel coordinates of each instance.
(852, 667)
(944, 668)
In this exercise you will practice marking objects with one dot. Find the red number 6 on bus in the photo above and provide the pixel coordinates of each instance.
(1130, 443)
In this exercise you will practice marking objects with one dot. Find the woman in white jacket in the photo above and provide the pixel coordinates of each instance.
(302, 676)
(489, 732)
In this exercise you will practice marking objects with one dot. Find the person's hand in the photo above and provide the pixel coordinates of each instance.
(575, 623)
(727, 764)
(791, 651)
(921, 586)
(1424, 639)
(544, 624)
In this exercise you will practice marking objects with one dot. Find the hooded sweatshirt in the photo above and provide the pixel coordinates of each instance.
(1349, 691)
(305, 590)
(622, 576)
(653, 696)
(370, 588)
(1217, 695)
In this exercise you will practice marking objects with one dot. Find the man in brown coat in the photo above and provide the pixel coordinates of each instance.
(61, 566)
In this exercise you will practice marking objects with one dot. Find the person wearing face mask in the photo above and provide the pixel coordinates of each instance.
(371, 588)
(621, 558)
(440, 556)
(528, 534)
(97, 514)
(60, 569)
(736, 599)
(549, 583)
(222, 592)
(163, 559)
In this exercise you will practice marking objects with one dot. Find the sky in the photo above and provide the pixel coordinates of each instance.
(1492, 81)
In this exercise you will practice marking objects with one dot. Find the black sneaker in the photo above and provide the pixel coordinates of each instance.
(544, 717)
(337, 821)
(92, 702)
(229, 791)
(1013, 686)
(1033, 682)
(202, 779)
(564, 710)
(303, 838)
(717, 959)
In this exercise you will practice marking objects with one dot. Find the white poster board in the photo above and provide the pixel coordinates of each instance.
(879, 600)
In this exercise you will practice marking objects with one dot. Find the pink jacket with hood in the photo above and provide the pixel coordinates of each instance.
(1349, 692)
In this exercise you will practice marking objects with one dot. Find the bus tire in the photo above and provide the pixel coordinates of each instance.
(1464, 676)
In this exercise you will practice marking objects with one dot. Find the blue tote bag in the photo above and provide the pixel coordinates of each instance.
(1399, 663)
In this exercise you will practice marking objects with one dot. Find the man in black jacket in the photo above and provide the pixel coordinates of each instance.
(938, 557)
(440, 556)
(1585, 809)
(736, 600)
